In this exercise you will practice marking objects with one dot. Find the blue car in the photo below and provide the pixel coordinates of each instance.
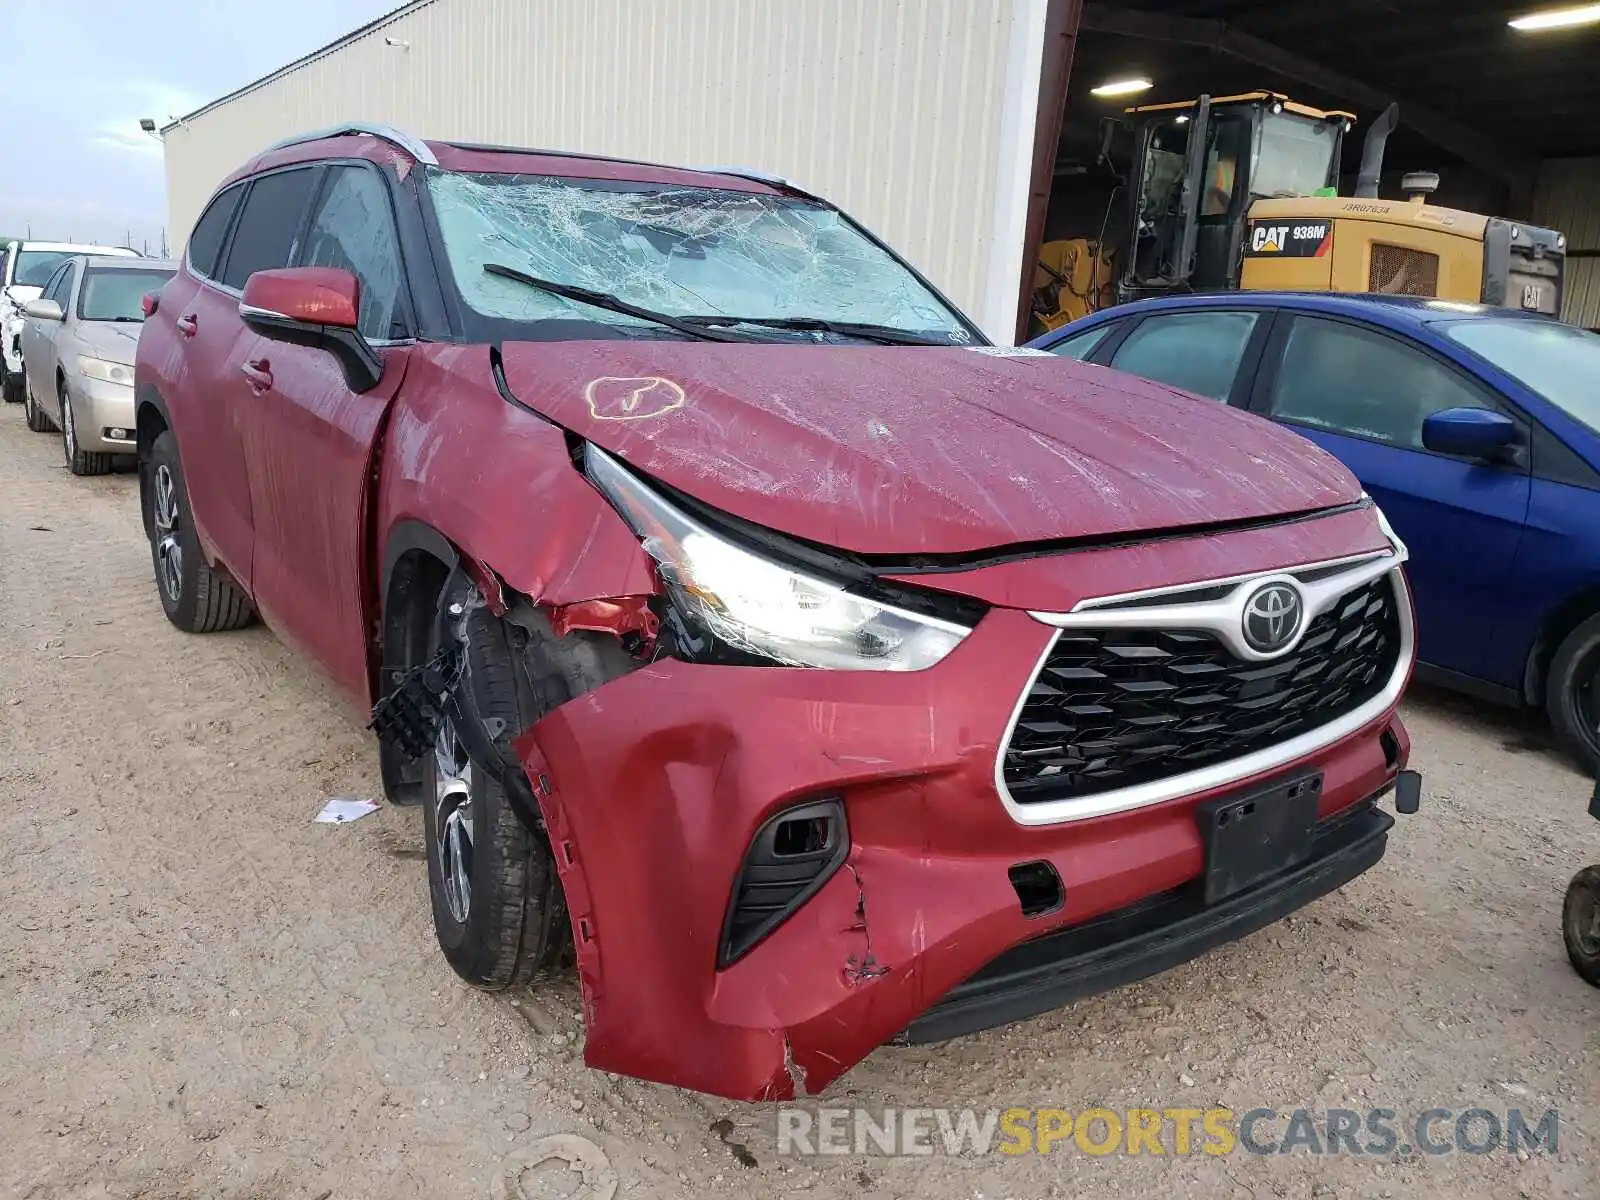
(1477, 431)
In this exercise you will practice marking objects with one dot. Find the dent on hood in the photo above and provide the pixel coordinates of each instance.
(900, 451)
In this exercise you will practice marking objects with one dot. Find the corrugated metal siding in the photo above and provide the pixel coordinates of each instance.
(1582, 306)
(895, 109)
(1567, 197)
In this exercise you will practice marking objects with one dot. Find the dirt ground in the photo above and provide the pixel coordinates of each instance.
(204, 994)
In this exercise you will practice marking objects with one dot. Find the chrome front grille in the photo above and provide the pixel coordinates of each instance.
(1140, 699)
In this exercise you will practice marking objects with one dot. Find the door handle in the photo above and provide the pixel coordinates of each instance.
(187, 325)
(259, 372)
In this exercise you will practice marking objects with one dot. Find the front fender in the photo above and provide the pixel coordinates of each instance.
(497, 483)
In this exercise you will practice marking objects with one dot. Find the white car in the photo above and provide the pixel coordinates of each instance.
(28, 267)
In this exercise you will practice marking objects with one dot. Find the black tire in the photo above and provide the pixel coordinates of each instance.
(196, 598)
(79, 460)
(38, 420)
(512, 919)
(1580, 924)
(12, 388)
(1572, 693)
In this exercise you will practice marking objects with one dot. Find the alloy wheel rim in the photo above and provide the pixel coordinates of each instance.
(453, 824)
(69, 428)
(169, 553)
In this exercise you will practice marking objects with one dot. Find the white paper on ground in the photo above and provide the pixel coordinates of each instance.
(340, 809)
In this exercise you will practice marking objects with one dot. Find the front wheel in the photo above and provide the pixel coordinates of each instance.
(1580, 924)
(195, 598)
(498, 908)
(1573, 693)
(79, 460)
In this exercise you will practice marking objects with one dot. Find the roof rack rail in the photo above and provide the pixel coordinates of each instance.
(415, 147)
(773, 181)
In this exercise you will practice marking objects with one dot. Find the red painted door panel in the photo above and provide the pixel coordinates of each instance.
(309, 452)
(204, 391)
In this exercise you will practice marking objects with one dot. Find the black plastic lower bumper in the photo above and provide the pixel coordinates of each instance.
(1149, 937)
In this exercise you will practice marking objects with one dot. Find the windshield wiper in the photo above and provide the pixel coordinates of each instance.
(886, 334)
(610, 303)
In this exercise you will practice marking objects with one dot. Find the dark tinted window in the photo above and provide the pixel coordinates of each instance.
(60, 286)
(206, 239)
(1358, 381)
(1081, 345)
(265, 235)
(1196, 351)
(353, 229)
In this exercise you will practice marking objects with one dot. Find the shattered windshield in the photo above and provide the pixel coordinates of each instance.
(682, 251)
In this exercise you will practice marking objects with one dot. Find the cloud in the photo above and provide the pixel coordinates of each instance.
(137, 142)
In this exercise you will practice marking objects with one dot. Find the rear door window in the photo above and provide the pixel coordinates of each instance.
(206, 240)
(1199, 352)
(269, 224)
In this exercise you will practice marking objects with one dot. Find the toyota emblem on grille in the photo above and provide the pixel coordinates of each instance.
(1272, 618)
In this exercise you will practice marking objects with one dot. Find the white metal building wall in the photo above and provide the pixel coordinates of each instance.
(916, 116)
(1567, 197)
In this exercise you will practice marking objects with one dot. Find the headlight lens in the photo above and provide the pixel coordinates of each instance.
(761, 607)
(99, 368)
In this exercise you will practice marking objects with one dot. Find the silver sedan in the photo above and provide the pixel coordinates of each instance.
(77, 355)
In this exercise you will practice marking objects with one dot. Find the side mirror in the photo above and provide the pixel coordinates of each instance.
(317, 307)
(44, 310)
(1469, 432)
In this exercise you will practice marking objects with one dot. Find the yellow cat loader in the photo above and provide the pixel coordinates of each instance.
(1241, 192)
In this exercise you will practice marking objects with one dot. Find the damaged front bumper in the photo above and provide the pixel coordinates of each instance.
(654, 786)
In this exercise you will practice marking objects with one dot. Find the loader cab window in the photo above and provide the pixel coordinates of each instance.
(1163, 169)
(1223, 200)
(1293, 155)
(1229, 137)
(1159, 217)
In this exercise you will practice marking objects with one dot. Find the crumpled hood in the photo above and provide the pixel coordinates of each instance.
(114, 341)
(899, 450)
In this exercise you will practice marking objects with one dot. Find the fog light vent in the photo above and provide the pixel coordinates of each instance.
(1391, 748)
(1038, 887)
(792, 856)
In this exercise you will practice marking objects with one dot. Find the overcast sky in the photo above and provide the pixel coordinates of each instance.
(76, 76)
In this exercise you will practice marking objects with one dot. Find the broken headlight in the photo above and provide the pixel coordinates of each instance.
(761, 608)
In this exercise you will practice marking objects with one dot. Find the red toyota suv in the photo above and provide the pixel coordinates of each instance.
(747, 627)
